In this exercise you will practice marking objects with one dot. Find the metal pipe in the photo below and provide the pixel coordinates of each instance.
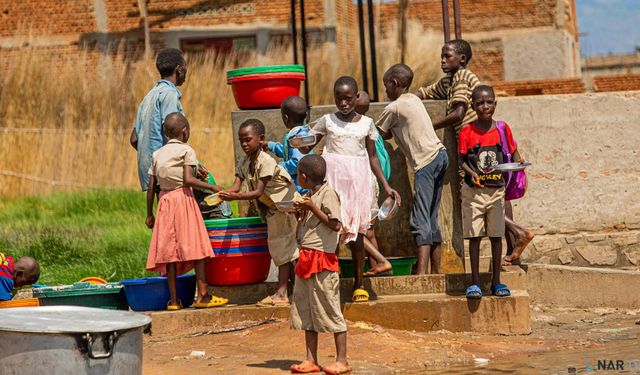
(372, 51)
(456, 19)
(294, 31)
(303, 31)
(445, 20)
(363, 47)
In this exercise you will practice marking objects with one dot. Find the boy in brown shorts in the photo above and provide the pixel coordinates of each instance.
(316, 292)
(268, 183)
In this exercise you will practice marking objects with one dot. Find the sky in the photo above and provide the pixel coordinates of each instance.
(611, 26)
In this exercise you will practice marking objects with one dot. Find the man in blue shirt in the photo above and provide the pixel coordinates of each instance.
(294, 112)
(164, 98)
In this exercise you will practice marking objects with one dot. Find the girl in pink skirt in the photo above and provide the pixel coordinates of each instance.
(350, 153)
(180, 241)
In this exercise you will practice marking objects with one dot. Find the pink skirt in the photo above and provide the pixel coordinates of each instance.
(350, 177)
(179, 235)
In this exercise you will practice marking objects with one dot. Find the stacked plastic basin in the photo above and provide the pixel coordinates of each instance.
(263, 87)
(240, 251)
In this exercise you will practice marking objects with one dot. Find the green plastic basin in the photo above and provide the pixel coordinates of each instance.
(233, 222)
(401, 266)
(103, 296)
(265, 69)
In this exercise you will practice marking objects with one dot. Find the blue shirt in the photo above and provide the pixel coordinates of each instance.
(163, 99)
(290, 155)
(6, 277)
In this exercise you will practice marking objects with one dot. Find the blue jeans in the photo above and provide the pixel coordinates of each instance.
(428, 183)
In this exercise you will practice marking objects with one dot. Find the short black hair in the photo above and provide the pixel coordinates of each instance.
(314, 167)
(173, 123)
(167, 61)
(461, 46)
(346, 81)
(255, 124)
(296, 108)
(480, 88)
(402, 73)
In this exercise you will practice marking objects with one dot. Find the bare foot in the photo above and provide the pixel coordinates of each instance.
(379, 268)
(337, 368)
(521, 244)
(305, 367)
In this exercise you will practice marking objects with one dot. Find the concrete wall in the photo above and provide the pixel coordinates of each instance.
(583, 184)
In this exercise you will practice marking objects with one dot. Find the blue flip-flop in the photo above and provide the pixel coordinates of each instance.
(500, 290)
(474, 292)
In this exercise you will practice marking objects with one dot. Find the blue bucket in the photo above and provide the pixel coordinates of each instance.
(152, 293)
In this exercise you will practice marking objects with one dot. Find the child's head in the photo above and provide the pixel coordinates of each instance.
(311, 171)
(397, 80)
(170, 61)
(345, 91)
(251, 136)
(456, 54)
(294, 111)
(27, 272)
(362, 102)
(176, 126)
(483, 101)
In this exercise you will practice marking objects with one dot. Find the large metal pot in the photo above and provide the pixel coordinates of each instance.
(70, 340)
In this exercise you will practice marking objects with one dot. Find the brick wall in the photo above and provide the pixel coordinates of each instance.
(618, 82)
(488, 60)
(539, 87)
(49, 16)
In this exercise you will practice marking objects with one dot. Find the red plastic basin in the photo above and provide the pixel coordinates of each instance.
(259, 91)
(249, 268)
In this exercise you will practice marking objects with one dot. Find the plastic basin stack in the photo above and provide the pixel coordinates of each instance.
(264, 87)
(240, 251)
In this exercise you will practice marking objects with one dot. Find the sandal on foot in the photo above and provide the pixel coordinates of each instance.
(474, 292)
(270, 302)
(360, 295)
(215, 301)
(500, 290)
(305, 367)
(171, 307)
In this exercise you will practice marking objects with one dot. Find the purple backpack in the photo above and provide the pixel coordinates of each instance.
(515, 182)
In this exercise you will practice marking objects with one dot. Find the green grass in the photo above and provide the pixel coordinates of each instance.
(75, 235)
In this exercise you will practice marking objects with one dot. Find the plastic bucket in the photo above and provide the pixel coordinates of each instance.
(152, 293)
(265, 90)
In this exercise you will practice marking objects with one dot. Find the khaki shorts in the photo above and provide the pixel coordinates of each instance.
(281, 238)
(316, 304)
(482, 211)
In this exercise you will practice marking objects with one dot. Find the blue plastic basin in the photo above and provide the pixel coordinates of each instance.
(152, 293)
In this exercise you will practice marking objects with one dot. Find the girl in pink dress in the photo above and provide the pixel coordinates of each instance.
(180, 241)
(350, 153)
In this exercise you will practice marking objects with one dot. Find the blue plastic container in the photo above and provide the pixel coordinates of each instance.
(152, 293)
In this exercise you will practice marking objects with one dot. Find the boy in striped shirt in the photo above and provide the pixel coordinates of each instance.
(456, 87)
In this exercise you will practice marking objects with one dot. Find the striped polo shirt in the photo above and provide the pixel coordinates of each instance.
(456, 88)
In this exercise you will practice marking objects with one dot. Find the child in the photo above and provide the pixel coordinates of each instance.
(164, 98)
(406, 119)
(269, 183)
(350, 154)
(378, 263)
(316, 292)
(483, 192)
(25, 271)
(294, 112)
(180, 241)
(455, 87)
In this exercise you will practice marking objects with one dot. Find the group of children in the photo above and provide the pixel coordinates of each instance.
(335, 193)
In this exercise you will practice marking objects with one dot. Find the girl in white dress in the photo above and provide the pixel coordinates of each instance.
(351, 158)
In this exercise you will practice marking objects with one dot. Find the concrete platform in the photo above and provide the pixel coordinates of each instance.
(420, 312)
(421, 303)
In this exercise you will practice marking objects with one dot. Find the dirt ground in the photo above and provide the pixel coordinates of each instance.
(561, 339)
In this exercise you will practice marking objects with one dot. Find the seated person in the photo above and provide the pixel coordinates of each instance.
(25, 271)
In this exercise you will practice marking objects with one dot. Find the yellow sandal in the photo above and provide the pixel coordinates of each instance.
(360, 295)
(215, 301)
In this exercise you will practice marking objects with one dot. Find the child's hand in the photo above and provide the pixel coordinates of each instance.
(202, 172)
(305, 204)
(475, 179)
(150, 221)
(228, 196)
(392, 193)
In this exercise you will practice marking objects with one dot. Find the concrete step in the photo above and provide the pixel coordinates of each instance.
(422, 312)
(515, 278)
